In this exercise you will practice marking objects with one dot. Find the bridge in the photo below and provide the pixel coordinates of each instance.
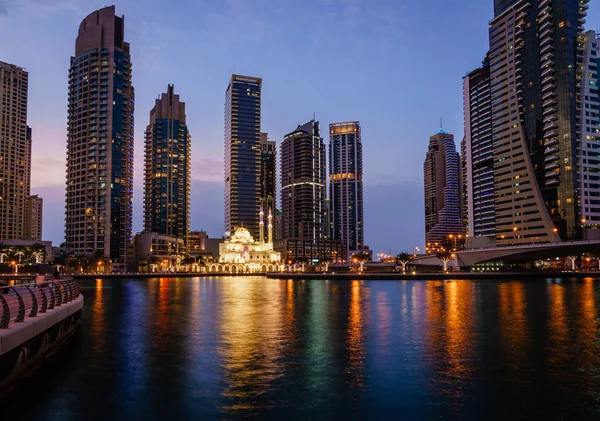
(517, 253)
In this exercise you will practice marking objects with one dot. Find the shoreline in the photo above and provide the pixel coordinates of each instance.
(333, 276)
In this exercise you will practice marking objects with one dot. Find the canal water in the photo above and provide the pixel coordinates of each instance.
(251, 347)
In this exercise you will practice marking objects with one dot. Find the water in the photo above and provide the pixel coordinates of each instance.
(227, 348)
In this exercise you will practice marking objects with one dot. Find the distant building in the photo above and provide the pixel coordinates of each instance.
(98, 205)
(346, 185)
(15, 152)
(322, 250)
(196, 241)
(156, 252)
(268, 174)
(442, 191)
(277, 225)
(33, 218)
(303, 188)
(242, 154)
(242, 249)
(167, 168)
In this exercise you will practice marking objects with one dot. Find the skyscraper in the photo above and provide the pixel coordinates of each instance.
(242, 154)
(303, 189)
(33, 218)
(536, 65)
(100, 139)
(15, 151)
(268, 175)
(478, 169)
(346, 185)
(167, 168)
(442, 191)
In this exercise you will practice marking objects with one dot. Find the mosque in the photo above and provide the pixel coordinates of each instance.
(242, 254)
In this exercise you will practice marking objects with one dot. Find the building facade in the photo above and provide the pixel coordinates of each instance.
(478, 154)
(242, 154)
(442, 191)
(100, 140)
(15, 152)
(33, 218)
(268, 172)
(540, 68)
(167, 168)
(158, 252)
(346, 185)
(303, 188)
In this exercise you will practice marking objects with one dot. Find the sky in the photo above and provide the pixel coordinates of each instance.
(394, 65)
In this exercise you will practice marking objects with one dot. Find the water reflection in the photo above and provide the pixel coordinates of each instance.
(228, 348)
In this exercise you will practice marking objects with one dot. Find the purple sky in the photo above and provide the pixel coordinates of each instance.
(394, 65)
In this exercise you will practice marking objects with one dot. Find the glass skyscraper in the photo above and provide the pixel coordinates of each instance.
(268, 174)
(537, 66)
(242, 155)
(167, 168)
(346, 185)
(100, 140)
(442, 175)
(303, 188)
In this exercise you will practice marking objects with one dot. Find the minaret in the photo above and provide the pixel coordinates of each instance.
(270, 228)
(261, 239)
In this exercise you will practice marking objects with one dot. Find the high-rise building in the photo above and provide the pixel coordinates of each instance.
(268, 175)
(346, 185)
(478, 169)
(242, 154)
(588, 123)
(442, 191)
(303, 189)
(15, 151)
(33, 218)
(100, 139)
(167, 168)
(540, 160)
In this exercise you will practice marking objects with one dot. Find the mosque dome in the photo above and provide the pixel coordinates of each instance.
(242, 236)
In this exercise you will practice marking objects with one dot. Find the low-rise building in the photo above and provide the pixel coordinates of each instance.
(158, 252)
(322, 250)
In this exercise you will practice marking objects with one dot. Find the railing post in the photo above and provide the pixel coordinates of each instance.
(21, 314)
(5, 313)
(52, 297)
(44, 307)
(34, 303)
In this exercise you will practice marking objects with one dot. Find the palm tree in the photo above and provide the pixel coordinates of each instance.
(404, 259)
(82, 262)
(62, 259)
(4, 250)
(99, 259)
(38, 253)
(445, 256)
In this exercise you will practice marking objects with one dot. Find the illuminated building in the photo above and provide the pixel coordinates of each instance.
(156, 252)
(442, 191)
(242, 154)
(167, 168)
(33, 218)
(303, 189)
(250, 255)
(100, 140)
(542, 75)
(268, 175)
(15, 152)
(322, 250)
(346, 185)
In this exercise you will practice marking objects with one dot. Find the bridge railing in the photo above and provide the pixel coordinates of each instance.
(20, 302)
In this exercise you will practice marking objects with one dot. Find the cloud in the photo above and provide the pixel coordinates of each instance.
(3, 7)
(207, 170)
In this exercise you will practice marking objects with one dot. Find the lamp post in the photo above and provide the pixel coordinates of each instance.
(515, 229)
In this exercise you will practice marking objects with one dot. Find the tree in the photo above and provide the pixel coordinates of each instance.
(404, 259)
(445, 256)
(4, 250)
(38, 253)
(99, 259)
(573, 260)
(363, 256)
(82, 261)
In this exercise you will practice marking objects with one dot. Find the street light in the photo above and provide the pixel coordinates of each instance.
(515, 235)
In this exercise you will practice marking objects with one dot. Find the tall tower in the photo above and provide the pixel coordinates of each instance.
(478, 154)
(100, 139)
(167, 168)
(303, 189)
(15, 151)
(442, 190)
(268, 175)
(242, 154)
(346, 185)
(33, 218)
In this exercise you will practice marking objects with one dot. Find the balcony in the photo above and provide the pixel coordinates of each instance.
(551, 142)
(549, 110)
(552, 166)
(548, 95)
(550, 150)
(552, 133)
